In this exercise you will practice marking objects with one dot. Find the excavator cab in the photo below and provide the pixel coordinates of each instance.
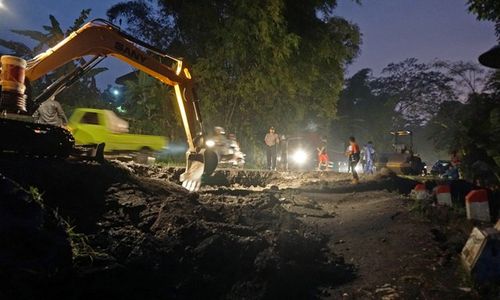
(98, 38)
(402, 160)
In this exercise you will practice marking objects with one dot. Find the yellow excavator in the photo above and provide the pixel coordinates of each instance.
(98, 38)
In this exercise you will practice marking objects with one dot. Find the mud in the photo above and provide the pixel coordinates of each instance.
(135, 233)
(148, 238)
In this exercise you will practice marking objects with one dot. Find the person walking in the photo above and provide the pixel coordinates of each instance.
(50, 112)
(369, 158)
(272, 140)
(353, 153)
(322, 159)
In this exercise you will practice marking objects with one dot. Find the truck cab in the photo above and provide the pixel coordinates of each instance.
(96, 126)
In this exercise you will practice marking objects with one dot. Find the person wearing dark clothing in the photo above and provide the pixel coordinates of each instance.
(369, 158)
(353, 153)
(272, 140)
(50, 112)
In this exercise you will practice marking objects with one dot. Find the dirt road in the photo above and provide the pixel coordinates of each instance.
(396, 254)
(246, 234)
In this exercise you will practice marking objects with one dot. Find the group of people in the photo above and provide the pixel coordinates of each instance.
(51, 112)
(354, 153)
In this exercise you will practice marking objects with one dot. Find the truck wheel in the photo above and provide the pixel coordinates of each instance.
(145, 157)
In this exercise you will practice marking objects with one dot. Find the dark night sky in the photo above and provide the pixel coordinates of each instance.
(392, 30)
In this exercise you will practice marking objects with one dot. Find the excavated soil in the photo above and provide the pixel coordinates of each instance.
(129, 231)
(137, 237)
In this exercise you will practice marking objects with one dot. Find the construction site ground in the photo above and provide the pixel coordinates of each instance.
(81, 230)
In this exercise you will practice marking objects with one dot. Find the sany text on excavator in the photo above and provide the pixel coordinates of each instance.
(98, 38)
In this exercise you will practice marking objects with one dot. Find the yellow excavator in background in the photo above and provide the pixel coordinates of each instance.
(98, 38)
(402, 160)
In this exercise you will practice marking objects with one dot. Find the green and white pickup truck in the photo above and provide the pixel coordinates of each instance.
(96, 126)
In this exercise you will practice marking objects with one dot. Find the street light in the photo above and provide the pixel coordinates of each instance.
(2, 5)
(115, 92)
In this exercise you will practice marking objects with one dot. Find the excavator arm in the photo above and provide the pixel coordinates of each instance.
(101, 38)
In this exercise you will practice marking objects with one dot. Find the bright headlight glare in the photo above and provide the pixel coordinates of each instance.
(299, 157)
(210, 143)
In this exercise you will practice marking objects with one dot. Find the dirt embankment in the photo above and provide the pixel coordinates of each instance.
(134, 237)
(135, 233)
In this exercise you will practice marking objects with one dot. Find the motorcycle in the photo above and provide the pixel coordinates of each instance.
(227, 149)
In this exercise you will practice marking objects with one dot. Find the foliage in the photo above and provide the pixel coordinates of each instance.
(362, 113)
(486, 10)
(82, 93)
(416, 90)
(450, 103)
(473, 129)
(150, 107)
(468, 78)
(406, 96)
(257, 63)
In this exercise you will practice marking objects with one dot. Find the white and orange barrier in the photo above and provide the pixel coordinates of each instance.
(477, 206)
(443, 194)
(420, 192)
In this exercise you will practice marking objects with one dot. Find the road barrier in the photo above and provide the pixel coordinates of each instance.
(477, 206)
(420, 192)
(443, 195)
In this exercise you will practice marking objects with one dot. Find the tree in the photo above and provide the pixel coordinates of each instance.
(150, 107)
(416, 90)
(468, 78)
(257, 63)
(472, 128)
(363, 114)
(486, 10)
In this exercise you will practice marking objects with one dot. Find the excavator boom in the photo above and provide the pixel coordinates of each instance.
(101, 38)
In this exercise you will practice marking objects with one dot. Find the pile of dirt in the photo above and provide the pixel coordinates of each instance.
(35, 249)
(238, 178)
(147, 238)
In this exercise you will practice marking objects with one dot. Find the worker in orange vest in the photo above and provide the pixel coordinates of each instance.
(353, 153)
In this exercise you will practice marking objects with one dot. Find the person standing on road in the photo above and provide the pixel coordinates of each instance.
(272, 140)
(369, 157)
(353, 153)
(50, 112)
(322, 159)
(456, 162)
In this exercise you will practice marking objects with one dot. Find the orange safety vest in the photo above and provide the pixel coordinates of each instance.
(354, 148)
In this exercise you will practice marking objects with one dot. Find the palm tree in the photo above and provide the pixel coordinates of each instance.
(85, 91)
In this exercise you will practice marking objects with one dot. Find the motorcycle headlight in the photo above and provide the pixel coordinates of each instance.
(210, 143)
(299, 157)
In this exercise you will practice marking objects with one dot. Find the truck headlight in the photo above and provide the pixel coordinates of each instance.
(210, 143)
(299, 157)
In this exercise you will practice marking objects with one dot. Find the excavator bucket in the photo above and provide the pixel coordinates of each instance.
(198, 165)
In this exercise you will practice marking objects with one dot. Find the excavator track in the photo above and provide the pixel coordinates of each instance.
(28, 139)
